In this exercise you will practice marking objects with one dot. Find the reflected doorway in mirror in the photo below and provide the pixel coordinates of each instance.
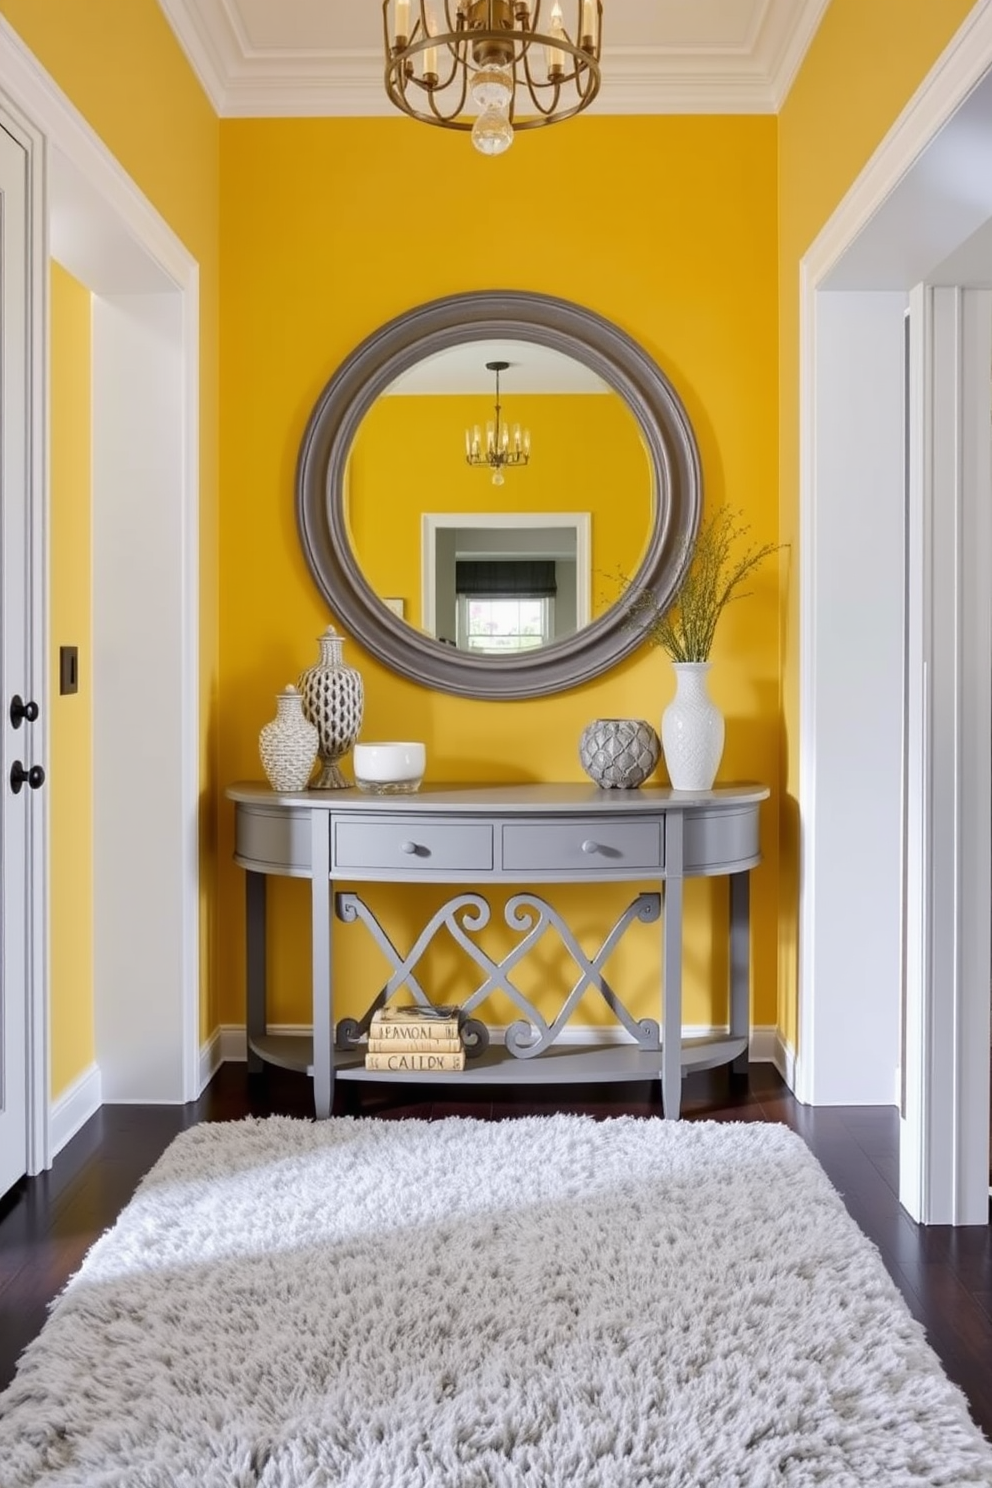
(497, 583)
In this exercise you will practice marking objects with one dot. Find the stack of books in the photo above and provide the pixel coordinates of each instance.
(415, 1040)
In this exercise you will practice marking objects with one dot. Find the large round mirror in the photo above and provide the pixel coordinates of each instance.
(484, 480)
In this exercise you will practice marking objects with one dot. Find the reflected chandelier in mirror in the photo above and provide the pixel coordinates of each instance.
(358, 515)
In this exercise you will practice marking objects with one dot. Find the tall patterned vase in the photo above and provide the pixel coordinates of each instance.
(288, 745)
(333, 699)
(692, 729)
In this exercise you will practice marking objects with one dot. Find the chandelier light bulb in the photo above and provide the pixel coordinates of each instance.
(492, 132)
(492, 88)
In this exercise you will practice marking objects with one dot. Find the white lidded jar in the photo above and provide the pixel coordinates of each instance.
(288, 745)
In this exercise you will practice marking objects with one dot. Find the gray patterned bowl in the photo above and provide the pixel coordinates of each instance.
(619, 752)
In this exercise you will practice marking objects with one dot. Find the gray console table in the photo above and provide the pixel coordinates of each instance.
(471, 836)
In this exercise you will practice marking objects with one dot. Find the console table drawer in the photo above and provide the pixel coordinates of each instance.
(594, 846)
(405, 844)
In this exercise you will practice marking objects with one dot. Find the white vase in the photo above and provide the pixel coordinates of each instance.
(692, 729)
(288, 745)
(333, 699)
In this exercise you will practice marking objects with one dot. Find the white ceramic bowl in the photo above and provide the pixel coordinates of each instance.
(391, 769)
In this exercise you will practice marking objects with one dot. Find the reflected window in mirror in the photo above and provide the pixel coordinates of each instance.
(508, 604)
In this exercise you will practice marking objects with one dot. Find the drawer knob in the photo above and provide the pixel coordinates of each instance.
(589, 846)
(408, 847)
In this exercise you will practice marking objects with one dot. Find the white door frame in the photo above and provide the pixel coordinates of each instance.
(34, 683)
(946, 1018)
(164, 856)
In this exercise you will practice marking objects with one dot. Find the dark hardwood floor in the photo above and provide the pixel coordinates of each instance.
(48, 1223)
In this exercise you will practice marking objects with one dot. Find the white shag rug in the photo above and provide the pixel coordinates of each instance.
(552, 1302)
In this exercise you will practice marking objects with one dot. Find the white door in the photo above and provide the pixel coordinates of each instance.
(22, 743)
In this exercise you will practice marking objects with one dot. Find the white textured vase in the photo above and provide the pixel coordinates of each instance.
(692, 729)
(288, 745)
(333, 699)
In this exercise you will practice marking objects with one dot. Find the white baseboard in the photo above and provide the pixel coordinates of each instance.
(229, 1045)
(769, 1047)
(211, 1059)
(74, 1107)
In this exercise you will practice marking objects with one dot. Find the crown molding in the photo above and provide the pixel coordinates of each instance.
(634, 83)
(242, 82)
(790, 47)
(209, 57)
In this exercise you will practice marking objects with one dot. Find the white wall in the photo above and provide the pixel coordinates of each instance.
(853, 556)
(144, 822)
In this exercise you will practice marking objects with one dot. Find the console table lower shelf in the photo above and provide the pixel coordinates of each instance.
(587, 1064)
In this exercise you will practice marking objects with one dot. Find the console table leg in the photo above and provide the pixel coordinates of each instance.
(323, 992)
(255, 965)
(740, 964)
(671, 1047)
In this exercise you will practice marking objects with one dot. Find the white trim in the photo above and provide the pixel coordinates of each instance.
(74, 1107)
(38, 1147)
(200, 48)
(635, 81)
(963, 64)
(30, 88)
(190, 662)
(944, 1169)
(808, 716)
(212, 1056)
(769, 1047)
(793, 49)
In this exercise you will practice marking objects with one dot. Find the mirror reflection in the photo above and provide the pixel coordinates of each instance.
(495, 507)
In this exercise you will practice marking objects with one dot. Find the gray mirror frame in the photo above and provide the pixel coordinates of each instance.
(322, 521)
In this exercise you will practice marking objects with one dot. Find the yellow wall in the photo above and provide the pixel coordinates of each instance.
(865, 63)
(325, 235)
(692, 245)
(71, 719)
(409, 457)
(120, 64)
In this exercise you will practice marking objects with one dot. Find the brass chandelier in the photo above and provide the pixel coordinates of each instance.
(501, 448)
(446, 56)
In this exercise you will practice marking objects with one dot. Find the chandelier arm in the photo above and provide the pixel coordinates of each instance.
(444, 83)
(590, 78)
(532, 88)
(458, 24)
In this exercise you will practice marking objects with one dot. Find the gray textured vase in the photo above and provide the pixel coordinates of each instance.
(333, 699)
(619, 752)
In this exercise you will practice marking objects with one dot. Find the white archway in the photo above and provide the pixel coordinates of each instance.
(146, 610)
(897, 551)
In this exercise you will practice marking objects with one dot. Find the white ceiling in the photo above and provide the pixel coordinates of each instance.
(313, 58)
(532, 369)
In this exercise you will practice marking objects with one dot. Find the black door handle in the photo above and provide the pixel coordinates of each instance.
(19, 710)
(19, 776)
